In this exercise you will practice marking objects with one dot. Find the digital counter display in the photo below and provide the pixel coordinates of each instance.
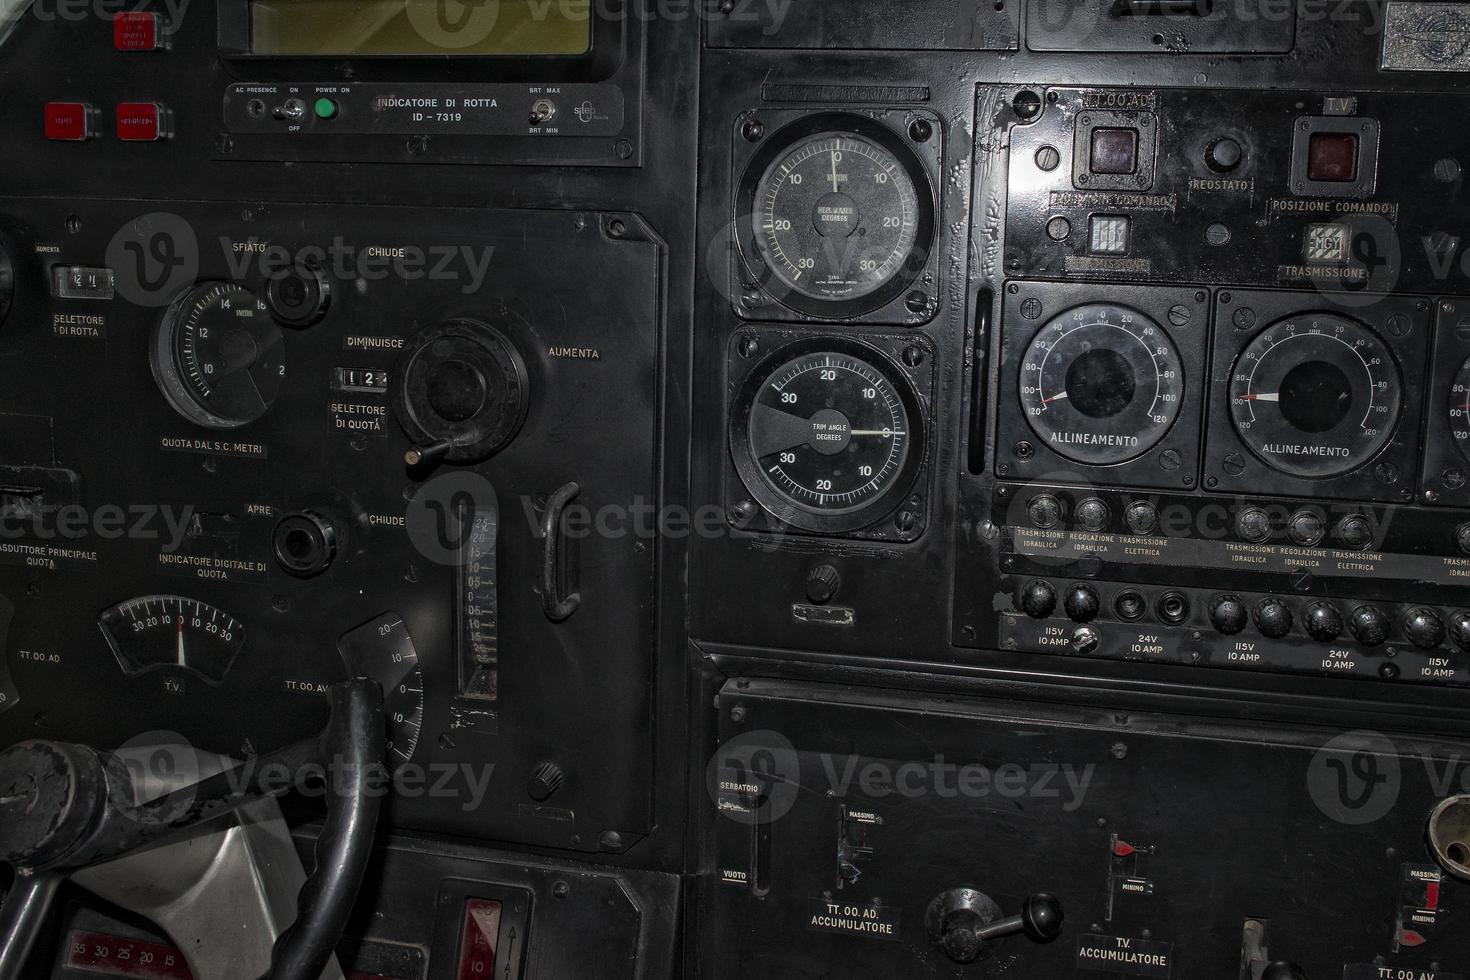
(495, 28)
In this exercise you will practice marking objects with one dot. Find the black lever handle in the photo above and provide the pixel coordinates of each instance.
(962, 920)
(353, 744)
(1040, 919)
(556, 606)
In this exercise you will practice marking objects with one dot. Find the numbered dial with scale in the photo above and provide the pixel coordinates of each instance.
(218, 356)
(840, 214)
(1101, 384)
(1459, 409)
(1315, 395)
(172, 632)
(825, 435)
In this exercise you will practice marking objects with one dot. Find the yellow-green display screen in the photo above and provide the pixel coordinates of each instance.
(507, 28)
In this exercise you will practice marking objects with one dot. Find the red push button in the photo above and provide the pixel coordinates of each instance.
(141, 122)
(136, 31)
(1332, 157)
(71, 121)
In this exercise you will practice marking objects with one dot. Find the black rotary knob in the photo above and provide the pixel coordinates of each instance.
(1273, 618)
(1228, 614)
(1460, 631)
(1305, 528)
(1354, 531)
(1224, 155)
(1462, 539)
(1044, 510)
(1424, 628)
(1038, 599)
(1142, 517)
(545, 780)
(1283, 970)
(1082, 603)
(461, 393)
(1093, 514)
(1322, 621)
(822, 583)
(1369, 625)
(1253, 524)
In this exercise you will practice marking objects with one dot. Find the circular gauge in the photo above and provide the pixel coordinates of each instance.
(840, 215)
(1459, 409)
(172, 632)
(383, 650)
(824, 432)
(1101, 384)
(1315, 395)
(218, 356)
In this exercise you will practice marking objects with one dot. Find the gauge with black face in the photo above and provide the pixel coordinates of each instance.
(1315, 395)
(839, 215)
(1459, 409)
(826, 433)
(218, 356)
(172, 632)
(383, 650)
(1101, 384)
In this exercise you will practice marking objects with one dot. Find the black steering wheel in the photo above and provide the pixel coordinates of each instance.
(66, 807)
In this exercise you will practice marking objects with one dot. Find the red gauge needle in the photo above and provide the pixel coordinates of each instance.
(1054, 398)
(1264, 396)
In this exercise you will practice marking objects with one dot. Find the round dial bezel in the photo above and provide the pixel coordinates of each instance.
(1368, 364)
(789, 509)
(751, 191)
(169, 360)
(1151, 421)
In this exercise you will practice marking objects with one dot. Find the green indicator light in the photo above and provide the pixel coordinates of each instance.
(325, 109)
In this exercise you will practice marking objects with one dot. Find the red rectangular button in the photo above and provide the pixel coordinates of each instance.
(71, 121)
(136, 30)
(140, 122)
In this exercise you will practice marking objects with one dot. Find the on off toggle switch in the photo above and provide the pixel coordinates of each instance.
(142, 122)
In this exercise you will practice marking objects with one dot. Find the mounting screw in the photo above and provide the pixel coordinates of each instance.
(737, 713)
(913, 355)
(1023, 450)
(917, 302)
(754, 130)
(1179, 314)
(749, 347)
(920, 130)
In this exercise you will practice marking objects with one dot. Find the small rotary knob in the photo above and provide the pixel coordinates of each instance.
(1038, 599)
(1322, 621)
(1253, 524)
(822, 583)
(1273, 618)
(1082, 603)
(1369, 625)
(1224, 155)
(1462, 539)
(545, 780)
(1228, 614)
(1424, 628)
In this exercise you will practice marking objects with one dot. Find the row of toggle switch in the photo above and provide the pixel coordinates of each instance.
(1229, 614)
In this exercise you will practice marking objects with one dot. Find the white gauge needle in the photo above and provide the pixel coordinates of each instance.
(1263, 396)
(183, 661)
(886, 433)
(835, 188)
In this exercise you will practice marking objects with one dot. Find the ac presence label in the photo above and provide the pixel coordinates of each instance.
(1117, 954)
